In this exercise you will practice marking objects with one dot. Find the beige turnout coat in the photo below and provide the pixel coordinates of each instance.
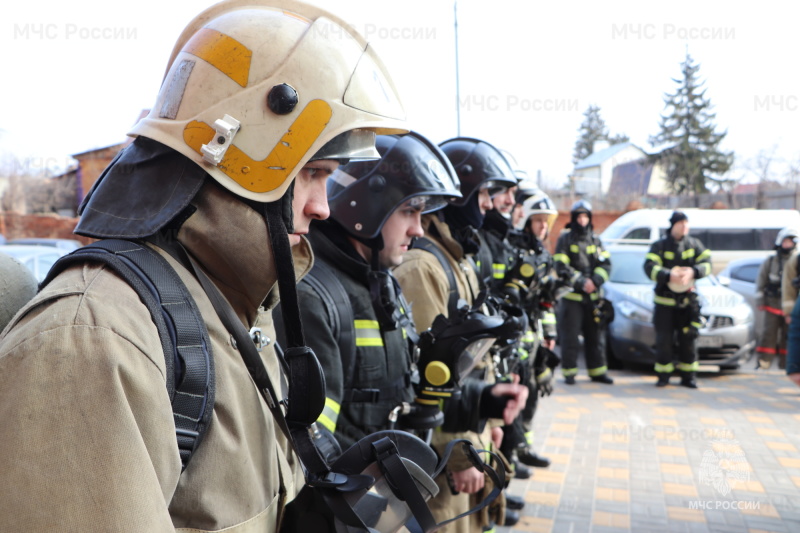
(425, 287)
(87, 440)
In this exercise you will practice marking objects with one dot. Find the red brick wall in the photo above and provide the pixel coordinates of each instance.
(600, 221)
(16, 226)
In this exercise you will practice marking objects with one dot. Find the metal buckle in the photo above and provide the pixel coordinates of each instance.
(259, 339)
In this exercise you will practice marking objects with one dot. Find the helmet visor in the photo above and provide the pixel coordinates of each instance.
(380, 508)
(472, 354)
(495, 187)
(353, 145)
(427, 203)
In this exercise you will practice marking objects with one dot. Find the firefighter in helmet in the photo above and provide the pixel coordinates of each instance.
(583, 265)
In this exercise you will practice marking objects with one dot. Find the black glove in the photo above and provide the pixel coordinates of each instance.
(525, 371)
(514, 326)
(544, 382)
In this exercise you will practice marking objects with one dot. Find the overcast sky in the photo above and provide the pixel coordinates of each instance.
(76, 74)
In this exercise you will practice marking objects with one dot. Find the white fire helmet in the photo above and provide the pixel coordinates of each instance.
(786, 233)
(538, 203)
(255, 89)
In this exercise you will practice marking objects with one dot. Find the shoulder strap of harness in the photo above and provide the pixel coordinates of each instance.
(485, 260)
(423, 243)
(181, 329)
(323, 280)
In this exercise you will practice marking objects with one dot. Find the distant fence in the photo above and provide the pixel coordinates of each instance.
(765, 199)
(16, 226)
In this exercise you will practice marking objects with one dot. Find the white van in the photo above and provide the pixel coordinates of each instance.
(728, 233)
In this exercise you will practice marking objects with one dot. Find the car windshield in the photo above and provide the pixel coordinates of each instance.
(627, 266)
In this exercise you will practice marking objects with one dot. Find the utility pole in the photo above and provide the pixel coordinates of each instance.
(458, 81)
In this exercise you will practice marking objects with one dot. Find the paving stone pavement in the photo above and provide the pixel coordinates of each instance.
(633, 457)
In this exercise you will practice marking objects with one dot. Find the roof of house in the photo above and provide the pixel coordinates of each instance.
(632, 177)
(753, 188)
(114, 148)
(598, 157)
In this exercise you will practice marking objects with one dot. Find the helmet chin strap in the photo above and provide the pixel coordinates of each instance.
(287, 213)
(375, 259)
(275, 218)
(382, 289)
(306, 380)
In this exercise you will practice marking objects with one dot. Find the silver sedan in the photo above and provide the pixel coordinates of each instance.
(727, 335)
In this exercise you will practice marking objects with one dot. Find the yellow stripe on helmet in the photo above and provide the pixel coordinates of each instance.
(269, 174)
(224, 53)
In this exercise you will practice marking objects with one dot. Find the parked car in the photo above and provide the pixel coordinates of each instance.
(38, 259)
(65, 244)
(727, 336)
(740, 276)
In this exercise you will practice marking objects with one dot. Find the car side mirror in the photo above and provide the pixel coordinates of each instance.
(725, 281)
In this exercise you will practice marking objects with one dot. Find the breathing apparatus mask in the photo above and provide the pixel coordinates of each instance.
(452, 347)
(529, 284)
(390, 478)
(521, 278)
(603, 312)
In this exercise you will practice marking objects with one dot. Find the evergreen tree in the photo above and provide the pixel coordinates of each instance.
(591, 130)
(692, 157)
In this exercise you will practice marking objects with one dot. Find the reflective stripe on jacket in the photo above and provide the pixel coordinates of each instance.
(359, 404)
(668, 253)
(580, 256)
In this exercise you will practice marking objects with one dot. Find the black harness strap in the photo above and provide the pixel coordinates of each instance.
(482, 262)
(323, 280)
(308, 395)
(255, 367)
(306, 382)
(423, 243)
(181, 329)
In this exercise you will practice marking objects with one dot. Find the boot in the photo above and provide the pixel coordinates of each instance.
(687, 380)
(528, 457)
(569, 380)
(521, 471)
(512, 517)
(603, 378)
(515, 503)
(663, 379)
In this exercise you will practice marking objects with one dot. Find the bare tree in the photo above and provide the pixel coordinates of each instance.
(31, 189)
